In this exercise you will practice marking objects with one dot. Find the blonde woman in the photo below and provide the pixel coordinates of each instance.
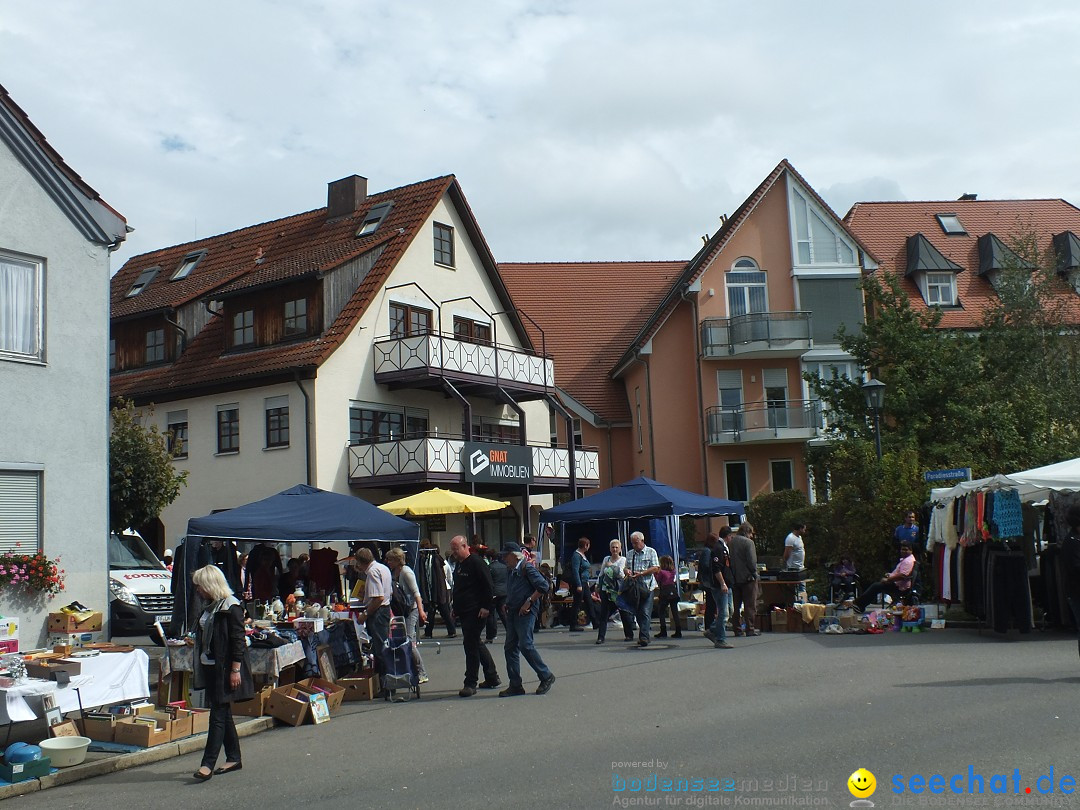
(612, 570)
(221, 668)
(401, 573)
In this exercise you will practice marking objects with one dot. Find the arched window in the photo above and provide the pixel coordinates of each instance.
(746, 288)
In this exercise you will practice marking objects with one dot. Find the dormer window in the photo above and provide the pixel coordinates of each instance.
(145, 277)
(296, 317)
(374, 218)
(243, 331)
(995, 257)
(950, 223)
(940, 289)
(187, 264)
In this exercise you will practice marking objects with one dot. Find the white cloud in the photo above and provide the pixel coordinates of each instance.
(608, 129)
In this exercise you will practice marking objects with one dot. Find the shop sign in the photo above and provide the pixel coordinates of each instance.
(497, 463)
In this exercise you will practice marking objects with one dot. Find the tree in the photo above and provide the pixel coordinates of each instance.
(142, 479)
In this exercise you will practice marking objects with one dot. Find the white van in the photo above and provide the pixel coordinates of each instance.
(140, 587)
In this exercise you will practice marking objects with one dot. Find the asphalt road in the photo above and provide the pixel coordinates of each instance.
(780, 721)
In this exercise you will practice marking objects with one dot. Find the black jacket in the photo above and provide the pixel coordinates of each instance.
(227, 645)
(473, 590)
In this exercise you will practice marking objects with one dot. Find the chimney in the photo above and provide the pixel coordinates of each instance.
(345, 196)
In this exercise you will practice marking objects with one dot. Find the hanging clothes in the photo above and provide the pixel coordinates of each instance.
(1007, 519)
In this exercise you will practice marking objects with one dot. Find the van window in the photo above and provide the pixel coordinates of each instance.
(129, 552)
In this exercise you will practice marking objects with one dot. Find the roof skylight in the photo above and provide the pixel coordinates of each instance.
(187, 265)
(145, 277)
(374, 218)
(950, 223)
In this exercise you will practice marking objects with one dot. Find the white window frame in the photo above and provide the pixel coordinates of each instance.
(746, 477)
(744, 288)
(772, 478)
(36, 351)
(21, 510)
(943, 279)
(812, 212)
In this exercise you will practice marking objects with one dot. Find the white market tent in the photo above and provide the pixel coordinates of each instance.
(1033, 485)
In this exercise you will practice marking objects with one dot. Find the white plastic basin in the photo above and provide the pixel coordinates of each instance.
(65, 751)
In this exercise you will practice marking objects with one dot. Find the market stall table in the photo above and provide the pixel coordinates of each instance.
(773, 591)
(104, 679)
(177, 664)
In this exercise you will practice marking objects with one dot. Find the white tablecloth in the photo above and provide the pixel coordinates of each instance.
(104, 679)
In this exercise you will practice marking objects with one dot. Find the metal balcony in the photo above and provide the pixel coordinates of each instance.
(759, 334)
(437, 460)
(776, 421)
(423, 361)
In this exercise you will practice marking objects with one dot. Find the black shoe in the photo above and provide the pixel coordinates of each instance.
(427, 635)
(467, 691)
(512, 691)
(677, 635)
(661, 634)
(232, 766)
(545, 685)
(490, 683)
(599, 641)
(203, 777)
(643, 643)
(451, 635)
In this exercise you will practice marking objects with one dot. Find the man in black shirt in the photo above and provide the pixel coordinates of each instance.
(474, 597)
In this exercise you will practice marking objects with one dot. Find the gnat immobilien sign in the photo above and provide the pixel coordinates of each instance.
(497, 463)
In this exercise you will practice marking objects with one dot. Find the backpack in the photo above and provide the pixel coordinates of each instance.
(401, 602)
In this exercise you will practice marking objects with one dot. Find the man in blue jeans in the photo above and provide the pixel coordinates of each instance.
(722, 581)
(641, 564)
(524, 588)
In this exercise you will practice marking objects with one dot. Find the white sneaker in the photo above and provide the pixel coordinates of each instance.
(424, 679)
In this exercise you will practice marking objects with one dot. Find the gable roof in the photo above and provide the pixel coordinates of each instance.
(588, 324)
(272, 253)
(885, 227)
(700, 263)
(92, 216)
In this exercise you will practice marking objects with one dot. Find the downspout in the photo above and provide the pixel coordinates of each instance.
(181, 330)
(648, 403)
(450, 389)
(571, 447)
(693, 299)
(523, 436)
(307, 426)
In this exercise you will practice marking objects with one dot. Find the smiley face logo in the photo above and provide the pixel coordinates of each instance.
(862, 784)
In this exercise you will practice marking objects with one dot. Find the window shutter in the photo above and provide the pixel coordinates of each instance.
(774, 377)
(729, 378)
(20, 512)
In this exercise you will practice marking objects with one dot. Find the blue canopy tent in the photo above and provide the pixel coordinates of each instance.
(640, 499)
(302, 514)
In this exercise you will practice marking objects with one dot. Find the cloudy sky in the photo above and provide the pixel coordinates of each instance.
(587, 129)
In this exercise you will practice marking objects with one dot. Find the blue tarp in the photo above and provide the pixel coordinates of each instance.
(306, 514)
(640, 498)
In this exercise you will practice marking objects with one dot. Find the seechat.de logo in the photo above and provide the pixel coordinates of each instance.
(862, 785)
(478, 461)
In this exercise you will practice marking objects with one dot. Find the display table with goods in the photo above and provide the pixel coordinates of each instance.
(86, 679)
(780, 591)
(267, 662)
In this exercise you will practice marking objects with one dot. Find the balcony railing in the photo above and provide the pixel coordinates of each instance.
(778, 420)
(439, 355)
(721, 337)
(433, 458)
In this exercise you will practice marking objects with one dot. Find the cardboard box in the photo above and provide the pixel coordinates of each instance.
(306, 625)
(335, 694)
(75, 639)
(200, 720)
(289, 704)
(181, 725)
(47, 667)
(67, 623)
(256, 707)
(847, 620)
(135, 731)
(363, 685)
(779, 621)
(100, 728)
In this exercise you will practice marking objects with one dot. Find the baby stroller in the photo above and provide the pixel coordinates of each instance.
(397, 658)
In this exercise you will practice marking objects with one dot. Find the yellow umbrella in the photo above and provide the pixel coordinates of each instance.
(441, 502)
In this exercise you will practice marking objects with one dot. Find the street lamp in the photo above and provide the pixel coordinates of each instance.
(874, 391)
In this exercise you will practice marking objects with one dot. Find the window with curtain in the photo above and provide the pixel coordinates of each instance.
(746, 292)
(21, 309)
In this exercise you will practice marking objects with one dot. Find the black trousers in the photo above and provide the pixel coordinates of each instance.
(378, 627)
(710, 607)
(444, 610)
(583, 602)
(495, 617)
(874, 592)
(222, 730)
(607, 607)
(476, 652)
(663, 606)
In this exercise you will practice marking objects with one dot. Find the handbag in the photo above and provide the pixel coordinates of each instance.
(669, 591)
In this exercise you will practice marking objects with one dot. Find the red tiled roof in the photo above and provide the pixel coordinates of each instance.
(589, 322)
(885, 226)
(290, 247)
(50, 152)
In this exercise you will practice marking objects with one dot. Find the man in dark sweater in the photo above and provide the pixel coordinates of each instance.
(498, 571)
(474, 598)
